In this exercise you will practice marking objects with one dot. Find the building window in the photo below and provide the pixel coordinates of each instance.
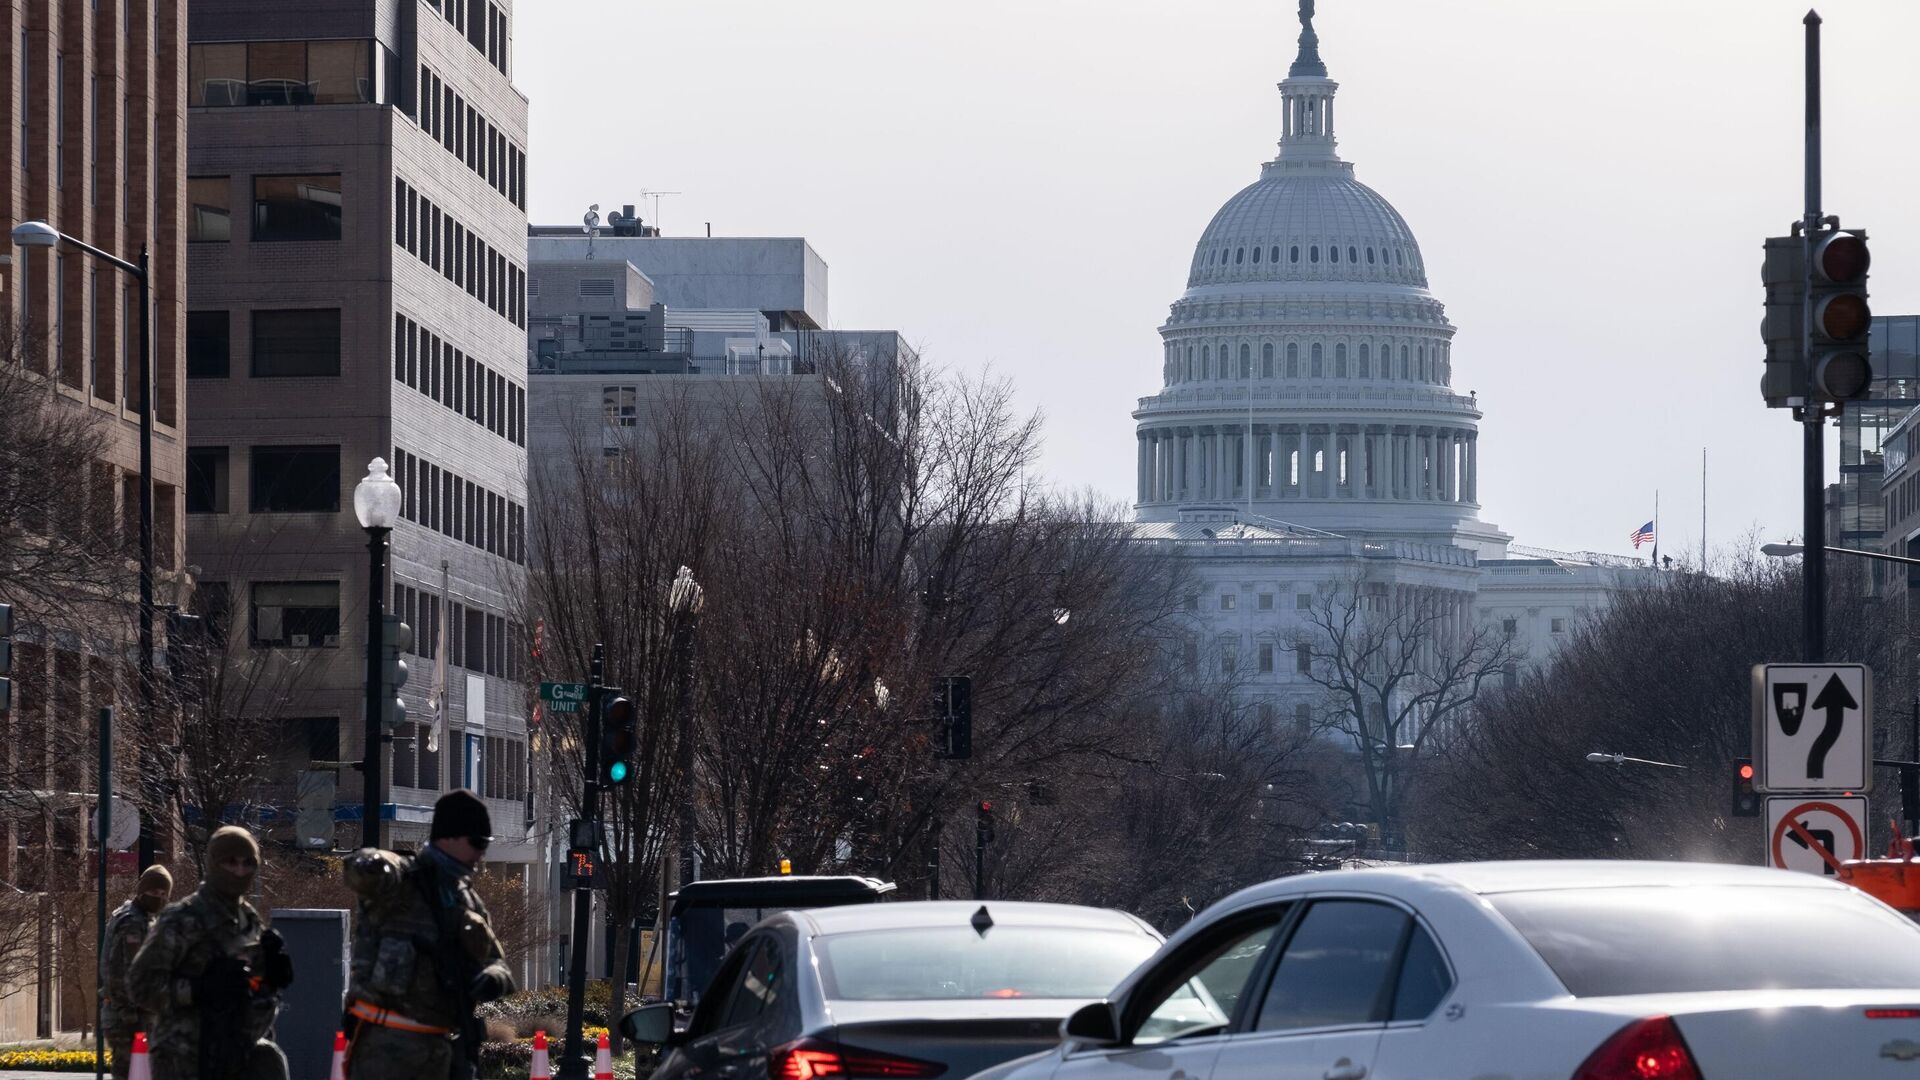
(1293, 253)
(1318, 367)
(1256, 256)
(340, 72)
(209, 344)
(1303, 658)
(1303, 602)
(1302, 717)
(289, 344)
(1340, 360)
(209, 209)
(296, 480)
(1510, 675)
(1366, 361)
(1559, 626)
(1266, 658)
(1193, 602)
(1266, 601)
(280, 73)
(296, 614)
(1313, 254)
(1509, 627)
(1227, 601)
(206, 480)
(1333, 253)
(296, 207)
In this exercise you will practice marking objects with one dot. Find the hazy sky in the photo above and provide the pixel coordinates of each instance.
(1019, 183)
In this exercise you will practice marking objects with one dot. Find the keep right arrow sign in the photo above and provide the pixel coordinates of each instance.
(1811, 728)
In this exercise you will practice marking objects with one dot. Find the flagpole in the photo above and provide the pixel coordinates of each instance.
(1656, 528)
(1703, 509)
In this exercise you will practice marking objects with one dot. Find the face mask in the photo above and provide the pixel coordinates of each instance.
(230, 885)
(151, 903)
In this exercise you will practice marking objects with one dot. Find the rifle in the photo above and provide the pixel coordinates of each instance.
(456, 973)
(222, 994)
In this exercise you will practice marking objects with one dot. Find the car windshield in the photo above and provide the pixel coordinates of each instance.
(1610, 942)
(933, 963)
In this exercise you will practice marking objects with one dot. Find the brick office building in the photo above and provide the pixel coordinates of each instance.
(94, 143)
(358, 247)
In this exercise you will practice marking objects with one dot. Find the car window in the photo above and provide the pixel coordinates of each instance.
(760, 984)
(1335, 967)
(711, 1012)
(955, 962)
(1424, 979)
(1206, 983)
(1682, 939)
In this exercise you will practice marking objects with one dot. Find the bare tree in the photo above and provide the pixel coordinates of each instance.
(1401, 667)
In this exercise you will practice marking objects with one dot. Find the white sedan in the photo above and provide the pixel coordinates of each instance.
(1515, 971)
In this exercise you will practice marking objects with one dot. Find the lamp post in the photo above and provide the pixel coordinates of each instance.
(1623, 759)
(39, 234)
(685, 598)
(376, 502)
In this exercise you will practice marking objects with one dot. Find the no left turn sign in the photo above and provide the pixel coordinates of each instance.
(1804, 832)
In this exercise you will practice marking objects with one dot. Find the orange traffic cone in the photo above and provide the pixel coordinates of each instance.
(603, 1060)
(542, 1069)
(140, 1068)
(339, 1057)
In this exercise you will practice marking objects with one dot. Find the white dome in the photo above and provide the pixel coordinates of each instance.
(1318, 225)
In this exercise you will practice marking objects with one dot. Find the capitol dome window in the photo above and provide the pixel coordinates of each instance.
(1266, 360)
(1369, 256)
(1403, 362)
(1256, 256)
(1340, 361)
(1333, 253)
(1293, 360)
(1313, 254)
(1206, 361)
(1239, 256)
(1399, 257)
(1353, 254)
(1318, 368)
(1274, 255)
(1293, 253)
(1366, 364)
(1246, 361)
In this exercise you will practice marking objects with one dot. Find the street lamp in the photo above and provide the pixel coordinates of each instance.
(376, 502)
(39, 234)
(1622, 759)
(685, 598)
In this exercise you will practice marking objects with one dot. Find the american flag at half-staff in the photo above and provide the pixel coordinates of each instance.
(1641, 535)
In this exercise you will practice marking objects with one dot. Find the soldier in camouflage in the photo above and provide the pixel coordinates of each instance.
(424, 953)
(212, 975)
(126, 932)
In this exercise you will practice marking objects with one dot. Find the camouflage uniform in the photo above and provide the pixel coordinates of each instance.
(423, 954)
(119, 1017)
(208, 926)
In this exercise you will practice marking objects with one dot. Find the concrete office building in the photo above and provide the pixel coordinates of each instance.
(94, 145)
(358, 228)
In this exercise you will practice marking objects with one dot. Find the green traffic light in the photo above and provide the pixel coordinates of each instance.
(617, 772)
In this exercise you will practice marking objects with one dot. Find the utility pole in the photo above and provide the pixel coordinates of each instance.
(573, 1061)
(103, 828)
(1814, 467)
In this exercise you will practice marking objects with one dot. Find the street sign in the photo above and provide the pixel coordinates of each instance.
(125, 829)
(1812, 728)
(1812, 835)
(563, 698)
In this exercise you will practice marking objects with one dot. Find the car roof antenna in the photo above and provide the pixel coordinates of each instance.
(982, 922)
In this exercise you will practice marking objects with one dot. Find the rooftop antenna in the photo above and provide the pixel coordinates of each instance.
(656, 196)
(590, 224)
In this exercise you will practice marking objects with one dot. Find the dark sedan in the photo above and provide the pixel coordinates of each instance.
(902, 991)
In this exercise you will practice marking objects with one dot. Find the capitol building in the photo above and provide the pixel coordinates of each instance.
(1307, 438)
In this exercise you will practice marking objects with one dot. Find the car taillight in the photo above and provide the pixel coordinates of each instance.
(816, 1059)
(1649, 1049)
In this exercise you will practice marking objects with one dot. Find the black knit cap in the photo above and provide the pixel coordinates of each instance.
(460, 813)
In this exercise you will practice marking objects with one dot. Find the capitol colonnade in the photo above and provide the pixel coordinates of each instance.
(1211, 462)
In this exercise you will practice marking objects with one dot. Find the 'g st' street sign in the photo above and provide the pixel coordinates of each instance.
(563, 697)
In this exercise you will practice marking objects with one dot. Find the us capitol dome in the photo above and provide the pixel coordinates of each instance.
(1307, 374)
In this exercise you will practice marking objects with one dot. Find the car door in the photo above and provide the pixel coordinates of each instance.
(1409, 1046)
(1326, 996)
(730, 1040)
(1174, 1018)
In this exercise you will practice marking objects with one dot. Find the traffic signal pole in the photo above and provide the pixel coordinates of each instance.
(573, 1060)
(376, 655)
(1814, 465)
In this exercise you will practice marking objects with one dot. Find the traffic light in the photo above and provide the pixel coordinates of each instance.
(396, 637)
(984, 831)
(1783, 271)
(953, 707)
(1746, 801)
(6, 657)
(1838, 352)
(619, 733)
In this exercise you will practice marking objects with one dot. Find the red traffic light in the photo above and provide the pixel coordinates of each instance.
(1746, 770)
(1841, 257)
(986, 807)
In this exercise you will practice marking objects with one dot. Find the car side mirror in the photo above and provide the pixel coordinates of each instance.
(1092, 1024)
(652, 1024)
